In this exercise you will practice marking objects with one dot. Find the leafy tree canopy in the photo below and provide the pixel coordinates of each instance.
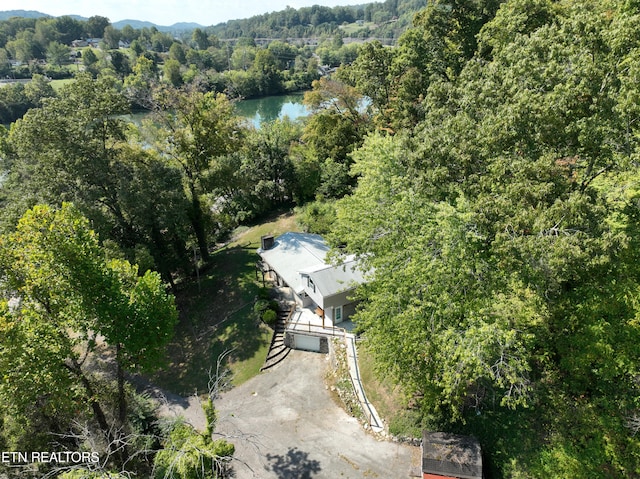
(503, 260)
(60, 299)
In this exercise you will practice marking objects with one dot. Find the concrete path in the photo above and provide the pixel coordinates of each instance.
(354, 371)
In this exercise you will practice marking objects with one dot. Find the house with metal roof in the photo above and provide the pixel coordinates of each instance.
(321, 291)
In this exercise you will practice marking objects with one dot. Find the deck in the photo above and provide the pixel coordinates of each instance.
(305, 320)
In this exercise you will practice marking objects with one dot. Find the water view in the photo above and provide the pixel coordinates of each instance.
(269, 108)
(258, 110)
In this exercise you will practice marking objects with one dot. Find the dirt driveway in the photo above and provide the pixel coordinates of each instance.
(285, 424)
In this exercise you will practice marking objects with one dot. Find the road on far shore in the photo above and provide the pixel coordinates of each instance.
(285, 424)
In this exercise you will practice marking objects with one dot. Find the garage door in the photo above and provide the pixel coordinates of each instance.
(308, 343)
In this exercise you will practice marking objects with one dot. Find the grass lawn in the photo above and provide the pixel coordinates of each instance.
(355, 27)
(216, 315)
(385, 396)
(58, 84)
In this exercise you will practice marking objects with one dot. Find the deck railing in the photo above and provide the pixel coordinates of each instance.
(309, 327)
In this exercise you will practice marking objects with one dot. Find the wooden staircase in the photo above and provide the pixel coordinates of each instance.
(278, 351)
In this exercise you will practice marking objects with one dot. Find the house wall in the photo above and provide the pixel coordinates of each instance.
(304, 301)
(315, 296)
(341, 299)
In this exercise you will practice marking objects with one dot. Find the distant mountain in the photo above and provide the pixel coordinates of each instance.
(139, 24)
(6, 15)
(136, 24)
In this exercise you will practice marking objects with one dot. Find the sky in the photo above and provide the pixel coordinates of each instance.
(166, 12)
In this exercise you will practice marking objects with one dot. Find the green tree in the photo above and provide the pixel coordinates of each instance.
(200, 39)
(23, 47)
(95, 26)
(111, 37)
(38, 89)
(120, 62)
(14, 102)
(58, 54)
(161, 42)
(69, 29)
(137, 48)
(442, 40)
(59, 294)
(45, 34)
(284, 53)
(75, 148)
(336, 128)
(307, 172)
(188, 454)
(191, 129)
(139, 84)
(265, 65)
(242, 57)
(5, 66)
(502, 256)
(90, 60)
(172, 72)
(177, 52)
(337, 97)
(266, 166)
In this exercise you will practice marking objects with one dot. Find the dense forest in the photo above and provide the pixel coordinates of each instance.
(497, 204)
(385, 20)
(484, 171)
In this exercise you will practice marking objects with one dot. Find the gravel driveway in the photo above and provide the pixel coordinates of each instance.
(285, 424)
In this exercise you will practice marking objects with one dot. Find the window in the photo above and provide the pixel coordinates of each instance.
(337, 315)
(310, 284)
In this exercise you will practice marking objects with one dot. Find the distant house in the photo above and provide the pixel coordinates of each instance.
(94, 42)
(87, 42)
(324, 70)
(299, 261)
(450, 456)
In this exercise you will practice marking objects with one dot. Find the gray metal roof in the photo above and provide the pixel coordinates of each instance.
(296, 254)
(331, 280)
(293, 252)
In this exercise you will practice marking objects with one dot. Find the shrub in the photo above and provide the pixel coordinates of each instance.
(264, 293)
(260, 306)
(269, 316)
(318, 217)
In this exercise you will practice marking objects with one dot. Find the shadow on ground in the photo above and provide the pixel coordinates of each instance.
(216, 315)
(294, 465)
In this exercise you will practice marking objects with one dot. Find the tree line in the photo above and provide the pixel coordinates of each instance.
(318, 21)
(242, 69)
(66, 305)
(93, 204)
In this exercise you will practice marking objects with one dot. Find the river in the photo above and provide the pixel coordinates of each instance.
(266, 109)
(259, 110)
